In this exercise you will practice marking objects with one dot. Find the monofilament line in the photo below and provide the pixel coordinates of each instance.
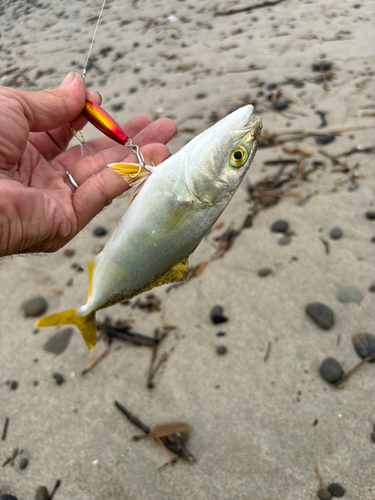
(92, 41)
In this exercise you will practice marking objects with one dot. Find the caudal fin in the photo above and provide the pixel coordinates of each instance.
(86, 324)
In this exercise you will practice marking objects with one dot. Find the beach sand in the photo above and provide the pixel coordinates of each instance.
(258, 428)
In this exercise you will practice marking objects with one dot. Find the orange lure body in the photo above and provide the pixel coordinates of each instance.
(103, 122)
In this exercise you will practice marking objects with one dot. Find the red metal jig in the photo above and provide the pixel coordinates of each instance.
(103, 122)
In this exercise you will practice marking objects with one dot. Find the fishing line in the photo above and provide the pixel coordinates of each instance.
(92, 41)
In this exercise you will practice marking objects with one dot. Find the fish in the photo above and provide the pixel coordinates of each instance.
(173, 208)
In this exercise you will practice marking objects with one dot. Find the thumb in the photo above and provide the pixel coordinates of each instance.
(50, 109)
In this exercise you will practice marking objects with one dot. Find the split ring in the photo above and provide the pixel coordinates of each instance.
(72, 181)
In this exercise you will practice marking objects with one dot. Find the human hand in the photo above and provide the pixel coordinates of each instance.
(39, 209)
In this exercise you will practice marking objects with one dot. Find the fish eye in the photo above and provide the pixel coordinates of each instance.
(238, 157)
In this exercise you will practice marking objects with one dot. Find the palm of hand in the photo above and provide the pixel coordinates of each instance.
(39, 210)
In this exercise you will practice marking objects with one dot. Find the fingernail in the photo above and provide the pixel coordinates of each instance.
(68, 79)
(100, 96)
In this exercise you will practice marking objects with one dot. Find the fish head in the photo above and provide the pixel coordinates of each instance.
(218, 159)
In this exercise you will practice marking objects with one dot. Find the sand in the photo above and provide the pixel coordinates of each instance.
(252, 421)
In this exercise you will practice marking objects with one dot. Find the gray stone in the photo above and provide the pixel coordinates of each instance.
(335, 233)
(279, 226)
(24, 463)
(348, 294)
(336, 489)
(35, 306)
(370, 215)
(264, 271)
(60, 341)
(324, 494)
(42, 493)
(324, 139)
(284, 240)
(330, 370)
(320, 314)
(364, 344)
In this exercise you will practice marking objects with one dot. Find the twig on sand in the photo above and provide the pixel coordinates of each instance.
(268, 351)
(171, 438)
(11, 459)
(319, 478)
(230, 12)
(350, 372)
(57, 485)
(95, 362)
(5, 429)
(326, 245)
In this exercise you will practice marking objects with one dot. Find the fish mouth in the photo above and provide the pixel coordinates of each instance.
(246, 123)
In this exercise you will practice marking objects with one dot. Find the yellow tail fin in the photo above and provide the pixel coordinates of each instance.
(86, 324)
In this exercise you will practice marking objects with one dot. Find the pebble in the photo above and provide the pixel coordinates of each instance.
(60, 341)
(201, 95)
(58, 378)
(7, 497)
(364, 344)
(373, 239)
(279, 226)
(264, 271)
(330, 370)
(270, 201)
(321, 65)
(336, 489)
(281, 104)
(348, 294)
(335, 233)
(284, 240)
(353, 187)
(221, 349)
(117, 106)
(217, 316)
(321, 314)
(35, 306)
(23, 464)
(324, 494)
(371, 288)
(370, 215)
(319, 79)
(220, 334)
(70, 282)
(69, 252)
(42, 493)
(100, 231)
(324, 139)
(14, 385)
(271, 86)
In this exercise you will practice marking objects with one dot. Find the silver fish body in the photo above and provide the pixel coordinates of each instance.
(174, 209)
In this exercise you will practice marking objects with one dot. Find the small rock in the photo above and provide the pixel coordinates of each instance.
(370, 215)
(220, 334)
(371, 288)
(271, 86)
(364, 344)
(330, 370)
(69, 252)
(348, 294)
(324, 139)
(336, 489)
(319, 79)
(279, 226)
(35, 307)
(264, 271)
(14, 385)
(281, 104)
(324, 494)
(7, 497)
(373, 239)
(23, 464)
(117, 106)
(353, 187)
(221, 349)
(320, 314)
(217, 316)
(201, 95)
(100, 231)
(60, 341)
(42, 493)
(335, 233)
(325, 65)
(58, 378)
(284, 240)
(70, 282)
